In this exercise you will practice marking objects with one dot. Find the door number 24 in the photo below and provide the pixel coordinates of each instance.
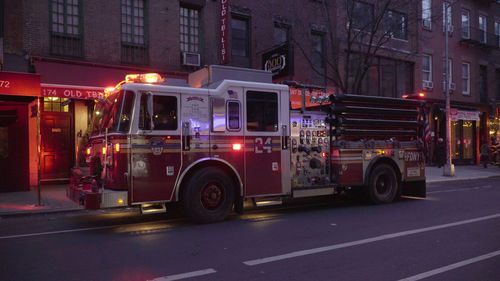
(261, 145)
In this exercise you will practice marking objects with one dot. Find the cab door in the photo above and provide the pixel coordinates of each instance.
(263, 142)
(155, 147)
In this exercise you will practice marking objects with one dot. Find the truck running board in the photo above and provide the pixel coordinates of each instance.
(266, 202)
(153, 208)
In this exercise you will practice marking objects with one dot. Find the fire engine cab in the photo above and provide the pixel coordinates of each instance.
(231, 135)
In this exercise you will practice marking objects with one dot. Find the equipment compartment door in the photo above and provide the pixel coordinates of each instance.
(263, 162)
(156, 149)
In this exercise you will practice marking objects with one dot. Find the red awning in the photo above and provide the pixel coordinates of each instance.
(71, 91)
(83, 80)
(19, 84)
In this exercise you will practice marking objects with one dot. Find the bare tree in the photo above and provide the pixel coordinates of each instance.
(358, 33)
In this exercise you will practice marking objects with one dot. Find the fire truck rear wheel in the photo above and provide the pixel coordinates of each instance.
(383, 185)
(208, 195)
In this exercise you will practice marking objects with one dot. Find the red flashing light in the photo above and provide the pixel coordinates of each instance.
(323, 154)
(88, 150)
(404, 96)
(104, 150)
(236, 146)
(117, 147)
(421, 95)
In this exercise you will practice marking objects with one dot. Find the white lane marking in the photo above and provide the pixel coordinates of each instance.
(186, 275)
(450, 267)
(333, 224)
(364, 241)
(57, 232)
(460, 189)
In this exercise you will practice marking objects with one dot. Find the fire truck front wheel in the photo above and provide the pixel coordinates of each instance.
(383, 184)
(208, 195)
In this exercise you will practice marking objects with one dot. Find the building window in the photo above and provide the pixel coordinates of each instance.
(447, 17)
(281, 34)
(482, 29)
(427, 68)
(190, 30)
(65, 28)
(465, 24)
(54, 104)
(426, 14)
(466, 78)
(318, 58)
(134, 32)
(240, 41)
(361, 15)
(497, 32)
(396, 25)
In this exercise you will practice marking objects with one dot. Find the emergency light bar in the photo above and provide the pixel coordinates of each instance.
(144, 78)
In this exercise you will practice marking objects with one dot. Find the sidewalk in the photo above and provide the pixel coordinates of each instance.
(53, 197)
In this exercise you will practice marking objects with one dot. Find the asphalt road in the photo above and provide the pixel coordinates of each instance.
(454, 234)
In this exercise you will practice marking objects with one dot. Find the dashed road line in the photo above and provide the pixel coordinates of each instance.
(450, 267)
(186, 275)
(364, 241)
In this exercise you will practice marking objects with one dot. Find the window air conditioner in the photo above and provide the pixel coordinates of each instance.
(451, 86)
(191, 59)
(427, 84)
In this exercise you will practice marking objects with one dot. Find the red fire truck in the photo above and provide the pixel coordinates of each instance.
(231, 135)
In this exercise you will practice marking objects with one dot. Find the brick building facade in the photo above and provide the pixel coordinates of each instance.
(78, 47)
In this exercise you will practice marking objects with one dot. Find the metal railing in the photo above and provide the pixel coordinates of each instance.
(476, 36)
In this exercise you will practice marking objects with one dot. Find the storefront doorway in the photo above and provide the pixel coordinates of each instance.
(463, 142)
(57, 143)
(14, 175)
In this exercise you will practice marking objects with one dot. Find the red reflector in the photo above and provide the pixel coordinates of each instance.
(236, 146)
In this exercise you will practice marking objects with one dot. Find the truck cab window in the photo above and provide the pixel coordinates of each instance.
(262, 111)
(164, 113)
(233, 116)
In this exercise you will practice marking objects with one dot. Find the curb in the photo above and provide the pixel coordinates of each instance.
(39, 212)
(67, 210)
(461, 178)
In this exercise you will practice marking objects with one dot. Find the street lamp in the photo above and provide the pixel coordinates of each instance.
(449, 168)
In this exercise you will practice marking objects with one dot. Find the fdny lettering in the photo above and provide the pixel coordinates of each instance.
(412, 156)
(260, 145)
(194, 98)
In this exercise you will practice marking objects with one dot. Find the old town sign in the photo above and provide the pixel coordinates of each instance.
(279, 61)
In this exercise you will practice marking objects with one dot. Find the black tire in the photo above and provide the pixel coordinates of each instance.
(383, 185)
(208, 195)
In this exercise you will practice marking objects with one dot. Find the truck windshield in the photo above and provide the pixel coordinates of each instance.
(114, 113)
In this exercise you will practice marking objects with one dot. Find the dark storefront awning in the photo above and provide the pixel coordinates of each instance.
(19, 84)
(83, 80)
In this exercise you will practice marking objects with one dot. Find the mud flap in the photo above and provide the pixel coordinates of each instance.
(414, 189)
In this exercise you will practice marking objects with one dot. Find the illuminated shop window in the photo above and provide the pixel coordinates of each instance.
(54, 104)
